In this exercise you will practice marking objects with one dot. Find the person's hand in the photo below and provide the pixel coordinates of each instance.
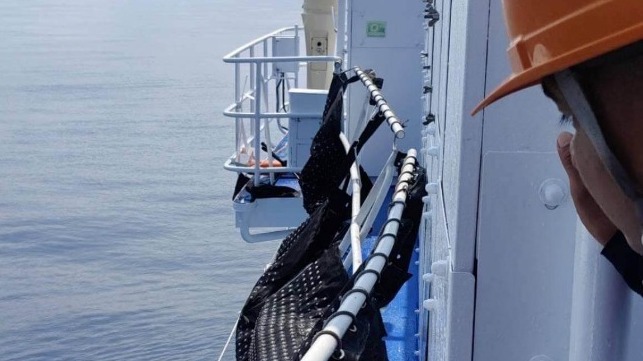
(588, 210)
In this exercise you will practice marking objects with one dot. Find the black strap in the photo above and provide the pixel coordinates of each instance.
(340, 313)
(390, 205)
(371, 271)
(356, 290)
(626, 261)
(412, 157)
(391, 220)
(377, 254)
(403, 189)
(330, 333)
(412, 173)
(370, 129)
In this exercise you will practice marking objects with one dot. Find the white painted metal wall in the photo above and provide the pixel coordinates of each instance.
(395, 56)
(538, 292)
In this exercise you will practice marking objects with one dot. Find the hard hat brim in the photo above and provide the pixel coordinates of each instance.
(535, 74)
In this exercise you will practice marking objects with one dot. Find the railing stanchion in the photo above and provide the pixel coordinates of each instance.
(257, 124)
(297, 52)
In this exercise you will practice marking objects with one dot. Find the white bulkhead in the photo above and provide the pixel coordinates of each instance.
(508, 274)
(522, 283)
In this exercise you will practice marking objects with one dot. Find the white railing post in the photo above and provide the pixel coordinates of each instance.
(257, 124)
(297, 52)
(356, 200)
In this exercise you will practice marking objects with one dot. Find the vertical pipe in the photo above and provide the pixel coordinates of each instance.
(252, 80)
(341, 28)
(356, 199)
(257, 123)
(297, 53)
(237, 99)
(265, 55)
(266, 121)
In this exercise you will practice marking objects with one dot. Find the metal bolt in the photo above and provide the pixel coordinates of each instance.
(552, 193)
(430, 305)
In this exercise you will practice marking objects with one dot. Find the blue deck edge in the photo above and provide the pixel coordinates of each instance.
(400, 316)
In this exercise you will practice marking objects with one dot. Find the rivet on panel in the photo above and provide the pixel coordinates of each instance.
(552, 193)
(427, 277)
(430, 305)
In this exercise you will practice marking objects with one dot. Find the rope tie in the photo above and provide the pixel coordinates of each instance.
(399, 223)
(340, 313)
(371, 271)
(393, 203)
(377, 254)
(338, 354)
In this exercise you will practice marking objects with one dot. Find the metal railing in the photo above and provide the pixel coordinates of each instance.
(382, 105)
(257, 64)
(326, 341)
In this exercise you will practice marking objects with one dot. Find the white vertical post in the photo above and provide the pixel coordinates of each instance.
(356, 199)
(238, 122)
(600, 305)
(297, 52)
(257, 123)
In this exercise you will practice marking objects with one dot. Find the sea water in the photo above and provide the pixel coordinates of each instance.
(117, 239)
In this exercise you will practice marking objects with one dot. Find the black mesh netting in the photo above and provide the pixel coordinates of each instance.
(285, 282)
(303, 286)
(329, 162)
(299, 290)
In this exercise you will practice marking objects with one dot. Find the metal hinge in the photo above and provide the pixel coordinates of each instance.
(431, 13)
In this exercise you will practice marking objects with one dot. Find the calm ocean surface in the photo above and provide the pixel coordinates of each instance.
(116, 231)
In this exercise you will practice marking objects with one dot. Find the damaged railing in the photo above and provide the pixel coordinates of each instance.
(355, 230)
(326, 341)
(382, 105)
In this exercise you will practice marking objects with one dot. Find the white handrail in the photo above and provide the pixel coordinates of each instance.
(247, 46)
(382, 105)
(324, 345)
(370, 207)
(284, 59)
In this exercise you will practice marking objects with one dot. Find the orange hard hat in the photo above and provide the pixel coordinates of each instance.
(548, 36)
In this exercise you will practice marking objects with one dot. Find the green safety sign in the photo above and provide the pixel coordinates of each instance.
(376, 29)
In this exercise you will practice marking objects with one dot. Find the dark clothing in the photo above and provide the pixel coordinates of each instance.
(627, 262)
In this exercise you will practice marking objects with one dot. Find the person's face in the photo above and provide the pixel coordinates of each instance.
(616, 94)
(605, 191)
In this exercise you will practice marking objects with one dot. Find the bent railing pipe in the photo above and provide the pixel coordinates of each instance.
(325, 344)
(356, 199)
(382, 105)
